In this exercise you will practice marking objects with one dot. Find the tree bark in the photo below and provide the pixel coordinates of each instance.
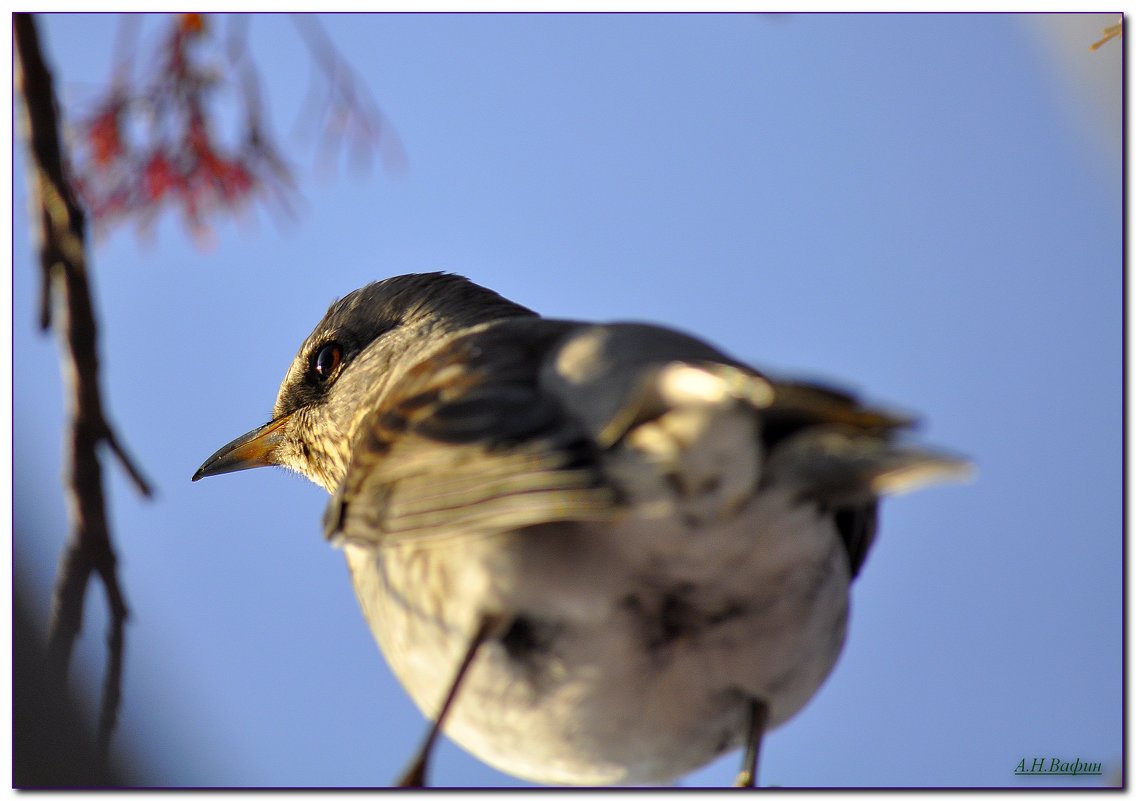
(66, 305)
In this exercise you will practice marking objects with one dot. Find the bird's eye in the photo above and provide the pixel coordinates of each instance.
(326, 360)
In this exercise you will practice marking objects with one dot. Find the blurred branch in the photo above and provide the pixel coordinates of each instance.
(1110, 33)
(147, 147)
(156, 137)
(347, 113)
(62, 254)
(52, 744)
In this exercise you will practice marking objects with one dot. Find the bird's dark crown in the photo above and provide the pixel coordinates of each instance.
(443, 297)
(431, 304)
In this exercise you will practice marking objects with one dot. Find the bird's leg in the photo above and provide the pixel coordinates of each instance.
(415, 775)
(757, 718)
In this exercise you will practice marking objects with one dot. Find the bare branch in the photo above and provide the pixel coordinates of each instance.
(62, 254)
(45, 300)
(128, 464)
(348, 113)
(116, 641)
(125, 46)
(1109, 33)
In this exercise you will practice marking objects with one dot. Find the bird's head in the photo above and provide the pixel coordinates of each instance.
(360, 348)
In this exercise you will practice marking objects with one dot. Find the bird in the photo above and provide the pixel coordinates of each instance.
(592, 553)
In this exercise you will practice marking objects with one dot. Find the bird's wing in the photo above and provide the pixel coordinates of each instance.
(469, 442)
(533, 421)
(687, 431)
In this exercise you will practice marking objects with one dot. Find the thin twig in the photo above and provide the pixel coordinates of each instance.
(116, 641)
(62, 253)
(125, 47)
(45, 300)
(1109, 33)
(128, 464)
(349, 113)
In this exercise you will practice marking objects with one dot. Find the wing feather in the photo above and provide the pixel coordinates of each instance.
(470, 443)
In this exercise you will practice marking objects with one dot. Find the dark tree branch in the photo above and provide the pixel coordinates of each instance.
(62, 253)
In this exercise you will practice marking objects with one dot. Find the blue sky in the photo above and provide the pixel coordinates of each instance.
(925, 208)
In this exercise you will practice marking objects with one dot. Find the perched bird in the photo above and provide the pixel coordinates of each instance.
(592, 554)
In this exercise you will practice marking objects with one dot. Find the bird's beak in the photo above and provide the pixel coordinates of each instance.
(255, 449)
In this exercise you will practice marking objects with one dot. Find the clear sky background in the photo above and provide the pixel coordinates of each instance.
(924, 208)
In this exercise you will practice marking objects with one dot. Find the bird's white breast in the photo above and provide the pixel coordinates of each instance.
(648, 635)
